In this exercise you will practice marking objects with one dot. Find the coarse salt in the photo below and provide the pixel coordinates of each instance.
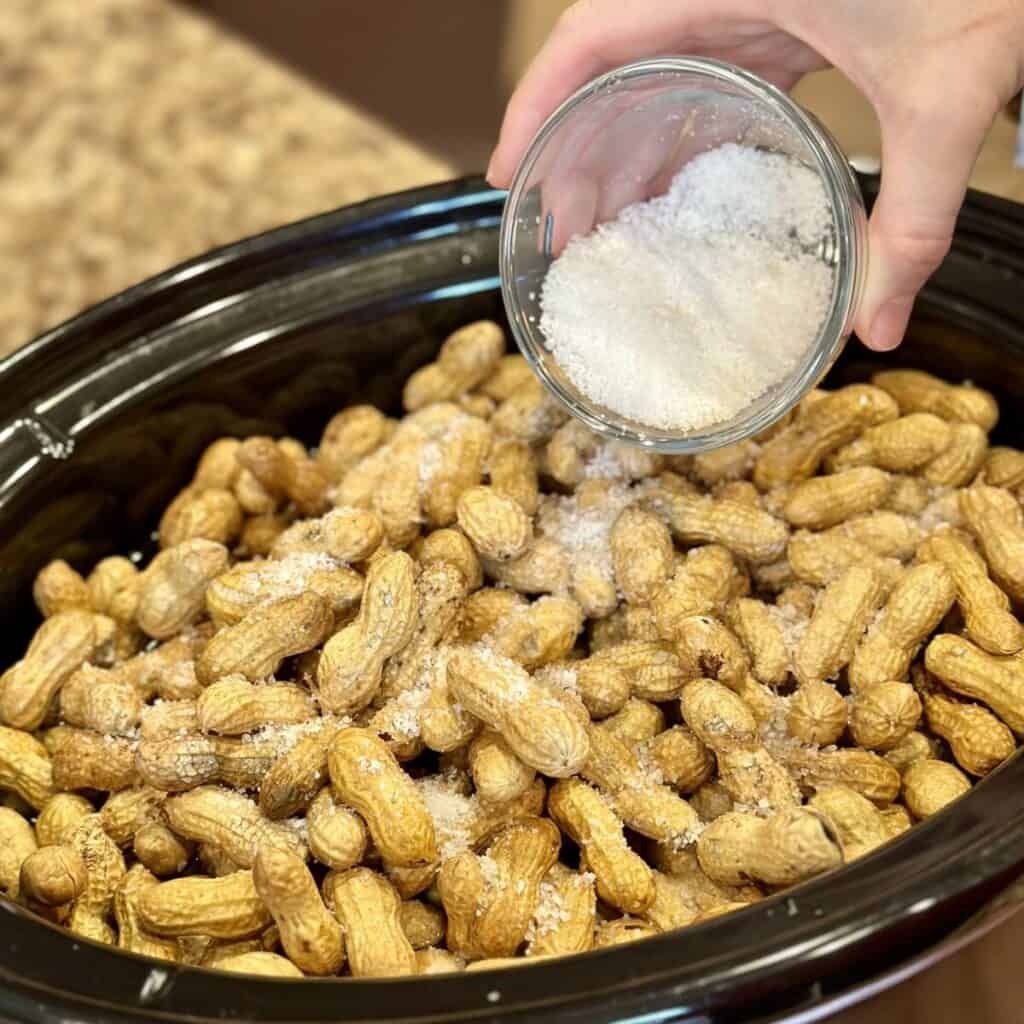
(686, 308)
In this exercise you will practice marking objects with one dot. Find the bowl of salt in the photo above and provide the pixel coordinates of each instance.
(682, 252)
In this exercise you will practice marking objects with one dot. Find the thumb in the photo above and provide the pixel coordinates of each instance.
(926, 164)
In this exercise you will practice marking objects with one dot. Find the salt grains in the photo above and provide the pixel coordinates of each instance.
(685, 308)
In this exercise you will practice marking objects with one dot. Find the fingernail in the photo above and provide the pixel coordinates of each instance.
(489, 173)
(890, 323)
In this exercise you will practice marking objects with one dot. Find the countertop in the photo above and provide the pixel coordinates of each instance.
(135, 134)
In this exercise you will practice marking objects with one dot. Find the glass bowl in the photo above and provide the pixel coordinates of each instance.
(632, 130)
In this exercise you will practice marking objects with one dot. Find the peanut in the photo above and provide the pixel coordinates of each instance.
(929, 785)
(964, 668)
(250, 585)
(915, 746)
(707, 648)
(423, 924)
(1004, 467)
(233, 706)
(222, 908)
(310, 934)
(452, 464)
(260, 962)
(725, 724)
(603, 687)
(209, 513)
(539, 633)
(17, 846)
(915, 607)
(843, 613)
(685, 763)
(642, 554)
(183, 762)
(759, 632)
(87, 760)
(817, 714)
(25, 767)
(977, 739)
(52, 876)
(860, 770)
(751, 533)
(161, 851)
(827, 501)
(512, 469)
(350, 669)
(529, 413)
(467, 357)
(496, 525)
(652, 670)
(366, 776)
(566, 914)
(732, 462)
(797, 450)
(370, 911)
(791, 846)
(348, 437)
(345, 534)
(256, 646)
(283, 470)
(997, 522)
(820, 558)
(962, 460)
(59, 647)
(173, 587)
(104, 868)
(535, 724)
(114, 589)
(498, 775)
(230, 821)
(98, 699)
(884, 714)
(858, 824)
(124, 813)
(896, 820)
(131, 935)
(296, 777)
(59, 588)
(985, 607)
(702, 585)
(454, 548)
(58, 816)
(645, 805)
(518, 860)
(621, 930)
(636, 722)
(337, 835)
(900, 446)
(623, 879)
(918, 391)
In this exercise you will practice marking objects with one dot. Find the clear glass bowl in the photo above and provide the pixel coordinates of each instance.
(686, 106)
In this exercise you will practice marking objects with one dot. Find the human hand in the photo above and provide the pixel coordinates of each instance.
(936, 71)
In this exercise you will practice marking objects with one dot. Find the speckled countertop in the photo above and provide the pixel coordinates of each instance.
(134, 135)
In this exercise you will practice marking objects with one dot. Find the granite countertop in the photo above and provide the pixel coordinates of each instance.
(134, 134)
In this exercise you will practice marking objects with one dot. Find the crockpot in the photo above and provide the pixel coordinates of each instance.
(101, 421)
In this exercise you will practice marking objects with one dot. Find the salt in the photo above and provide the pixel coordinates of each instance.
(685, 308)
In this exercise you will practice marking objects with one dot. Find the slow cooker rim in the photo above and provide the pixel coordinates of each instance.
(19, 930)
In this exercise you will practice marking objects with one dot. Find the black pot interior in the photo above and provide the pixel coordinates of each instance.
(104, 420)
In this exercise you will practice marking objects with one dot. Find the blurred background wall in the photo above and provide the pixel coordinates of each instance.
(441, 70)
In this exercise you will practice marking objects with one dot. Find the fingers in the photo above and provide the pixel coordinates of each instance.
(927, 158)
(592, 37)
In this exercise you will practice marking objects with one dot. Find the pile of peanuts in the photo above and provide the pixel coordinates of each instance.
(476, 686)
